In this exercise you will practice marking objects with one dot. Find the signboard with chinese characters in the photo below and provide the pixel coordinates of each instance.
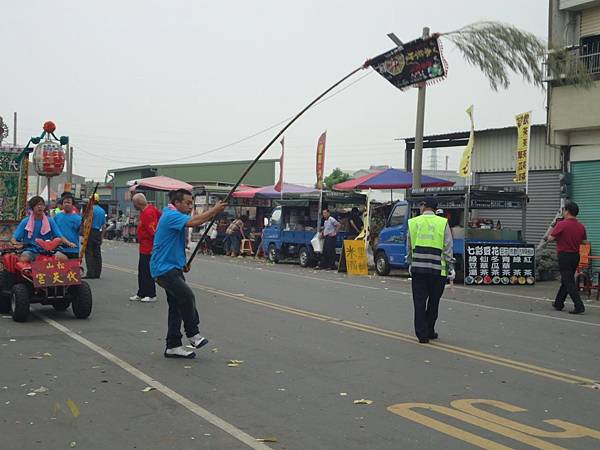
(417, 62)
(498, 263)
(481, 203)
(47, 273)
(523, 127)
(355, 257)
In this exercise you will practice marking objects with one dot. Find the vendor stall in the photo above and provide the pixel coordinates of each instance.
(486, 251)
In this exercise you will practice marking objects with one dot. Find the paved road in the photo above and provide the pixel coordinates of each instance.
(507, 372)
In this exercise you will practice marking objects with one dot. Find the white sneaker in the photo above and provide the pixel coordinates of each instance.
(179, 352)
(198, 341)
(135, 298)
(148, 300)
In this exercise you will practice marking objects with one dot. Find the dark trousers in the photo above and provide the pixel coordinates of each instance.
(328, 256)
(93, 255)
(567, 264)
(427, 289)
(182, 307)
(146, 286)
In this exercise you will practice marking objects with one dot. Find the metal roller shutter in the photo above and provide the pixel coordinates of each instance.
(544, 201)
(590, 22)
(586, 193)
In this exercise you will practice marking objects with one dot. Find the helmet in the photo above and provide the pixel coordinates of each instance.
(439, 212)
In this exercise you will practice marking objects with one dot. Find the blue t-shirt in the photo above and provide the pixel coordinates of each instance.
(168, 252)
(21, 234)
(70, 225)
(99, 218)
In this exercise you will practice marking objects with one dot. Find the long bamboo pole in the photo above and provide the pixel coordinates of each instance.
(263, 151)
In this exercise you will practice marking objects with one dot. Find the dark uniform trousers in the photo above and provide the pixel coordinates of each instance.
(427, 290)
(93, 255)
(146, 284)
(567, 264)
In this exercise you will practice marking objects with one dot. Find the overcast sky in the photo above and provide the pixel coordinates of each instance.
(136, 82)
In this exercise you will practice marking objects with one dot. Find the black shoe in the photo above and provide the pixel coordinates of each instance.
(433, 335)
(423, 340)
(577, 311)
(557, 306)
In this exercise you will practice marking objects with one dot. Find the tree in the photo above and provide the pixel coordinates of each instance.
(335, 177)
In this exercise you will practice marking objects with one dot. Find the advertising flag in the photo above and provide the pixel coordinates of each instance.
(279, 185)
(522, 165)
(321, 159)
(464, 168)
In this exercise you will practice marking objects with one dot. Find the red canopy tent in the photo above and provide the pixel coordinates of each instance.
(389, 179)
(160, 183)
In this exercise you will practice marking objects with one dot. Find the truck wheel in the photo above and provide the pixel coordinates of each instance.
(82, 300)
(273, 253)
(6, 284)
(382, 264)
(19, 302)
(61, 305)
(305, 257)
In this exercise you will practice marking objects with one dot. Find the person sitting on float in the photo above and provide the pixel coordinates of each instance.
(37, 226)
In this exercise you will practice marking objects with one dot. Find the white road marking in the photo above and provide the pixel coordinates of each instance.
(168, 392)
(477, 305)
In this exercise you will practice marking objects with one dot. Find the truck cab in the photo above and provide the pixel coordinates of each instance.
(290, 230)
(391, 250)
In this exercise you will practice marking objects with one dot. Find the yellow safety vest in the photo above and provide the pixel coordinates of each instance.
(427, 244)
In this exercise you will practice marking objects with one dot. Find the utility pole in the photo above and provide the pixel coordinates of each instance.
(70, 165)
(15, 130)
(418, 162)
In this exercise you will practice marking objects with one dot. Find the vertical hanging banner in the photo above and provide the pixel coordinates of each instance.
(13, 184)
(321, 159)
(523, 129)
(279, 185)
(418, 61)
(464, 168)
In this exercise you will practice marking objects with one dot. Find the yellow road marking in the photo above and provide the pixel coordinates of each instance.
(73, 407)
(465, 411)
(473, 354)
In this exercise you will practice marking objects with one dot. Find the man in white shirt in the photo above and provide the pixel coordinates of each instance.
(329, 233)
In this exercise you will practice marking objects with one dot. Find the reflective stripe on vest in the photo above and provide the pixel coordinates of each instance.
(427, 244)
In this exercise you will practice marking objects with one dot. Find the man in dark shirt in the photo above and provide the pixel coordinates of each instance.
(569, 234)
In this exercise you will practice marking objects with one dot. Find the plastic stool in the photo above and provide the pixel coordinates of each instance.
(246, 247)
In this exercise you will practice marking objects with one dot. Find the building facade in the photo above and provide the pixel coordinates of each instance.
(573, 111)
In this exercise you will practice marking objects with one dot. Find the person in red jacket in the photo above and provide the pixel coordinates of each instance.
(146, 230)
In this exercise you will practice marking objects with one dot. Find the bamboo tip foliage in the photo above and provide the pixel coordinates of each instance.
(498, 49)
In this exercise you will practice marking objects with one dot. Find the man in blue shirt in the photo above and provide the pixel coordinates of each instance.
(70, 224)
(37, 226)
(167, 266)
(93, 254)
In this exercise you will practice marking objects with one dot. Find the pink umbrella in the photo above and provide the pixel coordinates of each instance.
(160, 183)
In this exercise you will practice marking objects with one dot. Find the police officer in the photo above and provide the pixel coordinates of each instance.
(431, 263)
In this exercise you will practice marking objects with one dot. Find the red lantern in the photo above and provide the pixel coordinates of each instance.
(49, 158)
(49, 127)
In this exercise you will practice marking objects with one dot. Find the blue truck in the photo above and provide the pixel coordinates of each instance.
(463, 207)
(291, 227)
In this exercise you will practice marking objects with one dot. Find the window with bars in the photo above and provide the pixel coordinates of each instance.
(589, 52)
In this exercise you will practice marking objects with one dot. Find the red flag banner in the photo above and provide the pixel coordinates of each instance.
(321, 159)
(279, 185)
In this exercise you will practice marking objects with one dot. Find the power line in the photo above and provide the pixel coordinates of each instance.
(223, 147)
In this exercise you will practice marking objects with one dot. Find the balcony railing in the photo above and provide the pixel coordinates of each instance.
(573, 60)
